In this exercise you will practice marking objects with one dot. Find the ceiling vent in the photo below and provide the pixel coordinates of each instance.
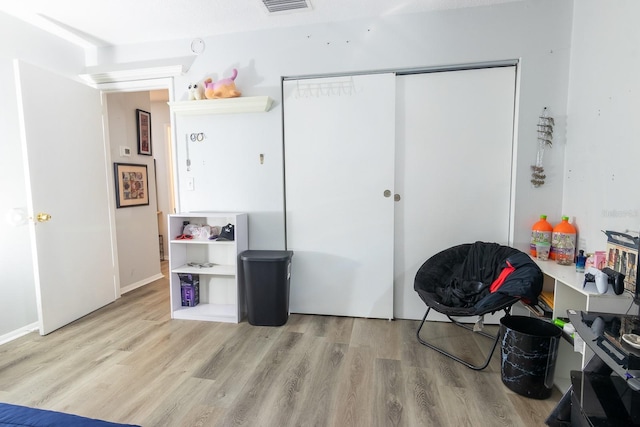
(275, 6)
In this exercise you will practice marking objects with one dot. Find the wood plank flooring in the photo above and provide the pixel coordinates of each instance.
(130, 363)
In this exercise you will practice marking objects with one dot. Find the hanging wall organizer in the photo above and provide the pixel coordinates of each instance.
(545, 139)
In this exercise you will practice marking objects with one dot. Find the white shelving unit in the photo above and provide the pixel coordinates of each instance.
(221, 293)
(241, 104)
(569, 293)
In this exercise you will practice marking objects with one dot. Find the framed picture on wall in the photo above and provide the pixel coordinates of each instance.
(132, 185)
(143, 120)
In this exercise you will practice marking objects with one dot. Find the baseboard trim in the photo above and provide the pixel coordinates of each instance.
(18, 333)
(10, 336)
(141, 283)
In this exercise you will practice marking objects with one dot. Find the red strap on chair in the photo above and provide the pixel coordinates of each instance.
(502, 277)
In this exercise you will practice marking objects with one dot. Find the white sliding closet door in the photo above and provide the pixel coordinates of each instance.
(453, 168)
(339, 161)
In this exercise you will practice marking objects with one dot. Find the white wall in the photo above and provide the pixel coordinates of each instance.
(17, 288)
(136, 227)
(25, 42)
(509, 31)
(602, 170)
(506, 31)
(225, 167)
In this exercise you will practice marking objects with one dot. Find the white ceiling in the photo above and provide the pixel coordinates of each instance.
(118, 22)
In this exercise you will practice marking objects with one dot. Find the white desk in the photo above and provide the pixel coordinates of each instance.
(568, 293)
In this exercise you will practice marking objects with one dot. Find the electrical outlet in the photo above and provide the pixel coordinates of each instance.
(191, 184)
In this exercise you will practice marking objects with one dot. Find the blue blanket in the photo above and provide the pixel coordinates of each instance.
(21, 416)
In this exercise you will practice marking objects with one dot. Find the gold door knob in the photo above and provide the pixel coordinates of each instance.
(43, 217)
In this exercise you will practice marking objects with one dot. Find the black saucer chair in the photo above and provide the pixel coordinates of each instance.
(474, 279)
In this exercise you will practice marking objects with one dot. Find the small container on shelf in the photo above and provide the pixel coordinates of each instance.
(542, 250)
(581, 261)
(189, 289)
(564, 252)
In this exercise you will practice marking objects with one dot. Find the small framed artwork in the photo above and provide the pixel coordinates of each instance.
(132, 185)
(143, 120)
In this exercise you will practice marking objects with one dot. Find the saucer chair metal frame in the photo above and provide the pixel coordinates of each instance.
(441, 268)
(495, 338)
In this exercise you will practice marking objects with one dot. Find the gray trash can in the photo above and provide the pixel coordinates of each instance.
(267, 276)
(529, 353)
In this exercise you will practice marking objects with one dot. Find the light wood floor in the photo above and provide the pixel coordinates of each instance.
(130, 363)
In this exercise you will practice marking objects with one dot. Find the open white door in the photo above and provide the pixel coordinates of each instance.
(67, 178)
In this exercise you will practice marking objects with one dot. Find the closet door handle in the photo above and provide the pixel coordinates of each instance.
(387, 193)
(396, 197)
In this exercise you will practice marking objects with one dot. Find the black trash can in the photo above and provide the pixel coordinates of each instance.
(529, 353)
(266, 282)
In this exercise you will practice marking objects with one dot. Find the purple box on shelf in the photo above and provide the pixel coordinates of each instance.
(190, 295)
(189, 289)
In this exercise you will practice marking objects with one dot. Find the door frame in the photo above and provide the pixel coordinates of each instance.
(132, 86)
(423, 70)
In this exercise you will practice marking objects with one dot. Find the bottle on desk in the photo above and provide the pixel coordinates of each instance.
(581, 261)
(540, 233)
(563, 242)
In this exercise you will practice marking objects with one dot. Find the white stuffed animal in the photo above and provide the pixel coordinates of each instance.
(196, 92)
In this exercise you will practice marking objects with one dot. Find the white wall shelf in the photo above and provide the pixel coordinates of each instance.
(221, 293)
(241, 104)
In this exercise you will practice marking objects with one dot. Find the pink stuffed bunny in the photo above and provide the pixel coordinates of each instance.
(224, 88)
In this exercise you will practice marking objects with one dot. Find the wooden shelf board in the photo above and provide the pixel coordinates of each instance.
(242, 104)
(202, 242)
(216, 270)
(208, 312)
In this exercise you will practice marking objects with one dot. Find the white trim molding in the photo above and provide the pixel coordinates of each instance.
(10, 336)
(143, 70)
(141, 283)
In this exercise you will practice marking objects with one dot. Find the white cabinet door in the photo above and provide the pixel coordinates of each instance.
(339, 160)
(67, 177)
(453, 168)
